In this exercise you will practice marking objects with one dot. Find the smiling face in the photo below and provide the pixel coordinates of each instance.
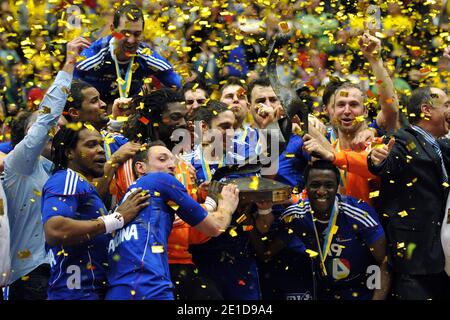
(132, 36)
(349, 110)
(322, 187)
(88, 156)
(93, 109)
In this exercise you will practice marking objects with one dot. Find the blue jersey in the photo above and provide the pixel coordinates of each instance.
(99, 69)
(288, 275)
(113, 141)
(6, 147)
(292, 163)
(246, 143)
(138, 252)
(77, 271)
(349, 258)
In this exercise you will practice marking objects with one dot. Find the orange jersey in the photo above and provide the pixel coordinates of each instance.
(356, 179)
(123, 178)
(183, 234)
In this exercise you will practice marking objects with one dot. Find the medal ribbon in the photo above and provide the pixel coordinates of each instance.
(329, 233)
(123, 84)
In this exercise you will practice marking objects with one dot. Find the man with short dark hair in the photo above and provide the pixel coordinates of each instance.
(117, 65)
(86, 105)
(414, 174)
(342, 235)
(195, 95)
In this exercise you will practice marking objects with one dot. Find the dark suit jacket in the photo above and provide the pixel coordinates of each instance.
(412, 184)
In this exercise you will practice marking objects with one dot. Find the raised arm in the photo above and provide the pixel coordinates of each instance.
(25, 154)
(388, 116)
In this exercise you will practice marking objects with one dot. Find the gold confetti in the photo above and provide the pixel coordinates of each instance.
(89, 126)
(45, 110)
(374, 194)
(254, 184)
(311, 253)
(173, 205)
(233, 232)
(157, 249)
(290, 155)
(62, 252)
(359, 119)
(241, 219)
(24, 254)
(411, 146)
(284, 26)
(403, 213)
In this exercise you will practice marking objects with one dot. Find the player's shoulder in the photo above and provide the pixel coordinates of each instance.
(358, 211)
(66, 183)
(297, 210)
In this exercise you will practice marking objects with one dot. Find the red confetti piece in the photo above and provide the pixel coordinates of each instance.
(144, 120)
(424, 70)
(118, 35)
(370, 94)
(241, 282)
(309, 84)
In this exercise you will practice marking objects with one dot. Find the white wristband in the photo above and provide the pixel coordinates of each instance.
(113, 221)
(210, 204)
(264, 212)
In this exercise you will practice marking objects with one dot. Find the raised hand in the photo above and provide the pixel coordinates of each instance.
(362, 139)
(370, 46)
(126, 152)
(121, 107)
(316, 149)
(264, 115)
(75, 47)
(378, 155)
